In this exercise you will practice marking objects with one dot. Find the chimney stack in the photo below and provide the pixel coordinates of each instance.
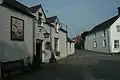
(118, 10)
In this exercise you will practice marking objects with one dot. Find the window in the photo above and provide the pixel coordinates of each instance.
(104, 43)
(104, 33)
(47, 45)
(118, 28)
(56, 27)
(39, 18)
(94, 35)
(116, 43)
(56, 44)
(95, 44)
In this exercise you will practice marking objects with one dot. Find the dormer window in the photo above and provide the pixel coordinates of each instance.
(56, 27)
(39, 18)
(103, 33)
(95, 44)
(104, 43)
(94, 35)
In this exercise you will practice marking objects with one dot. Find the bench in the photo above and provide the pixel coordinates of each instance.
(11, 67)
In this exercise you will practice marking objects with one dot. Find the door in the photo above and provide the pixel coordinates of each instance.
(56, 44)
(38, 52)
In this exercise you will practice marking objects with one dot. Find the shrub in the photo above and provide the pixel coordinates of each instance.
(57, 53)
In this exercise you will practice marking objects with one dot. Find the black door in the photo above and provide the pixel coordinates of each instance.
(38, 52)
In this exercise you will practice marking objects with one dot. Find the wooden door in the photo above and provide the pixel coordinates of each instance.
(38, 52)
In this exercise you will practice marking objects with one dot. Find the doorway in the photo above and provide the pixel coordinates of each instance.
(38, 51)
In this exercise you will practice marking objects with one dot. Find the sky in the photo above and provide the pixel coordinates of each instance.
(78, 15)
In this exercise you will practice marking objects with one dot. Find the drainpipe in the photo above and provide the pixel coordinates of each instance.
(51, 38)
(66, 40)
(108, 36)
(34, 21)
(52, 59)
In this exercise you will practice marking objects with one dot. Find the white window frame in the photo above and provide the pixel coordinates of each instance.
(94, 35)
(118, 28)
(56, 44)
(104, 33)
(104, 43)
(95, 44)
(42, 22)
(116, 44)
(57, 27)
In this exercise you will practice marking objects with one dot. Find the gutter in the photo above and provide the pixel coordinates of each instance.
(51, 38)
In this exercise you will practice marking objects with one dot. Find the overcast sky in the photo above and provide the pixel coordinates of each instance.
(79, 15)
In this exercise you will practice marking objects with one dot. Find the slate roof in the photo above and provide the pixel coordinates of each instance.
(13, 4)
(105, 24)
(102, 26)
(69, 40)
(63, 30)
(34, 9)
(85, 33)
(52, 19)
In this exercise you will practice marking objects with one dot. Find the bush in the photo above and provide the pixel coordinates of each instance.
(57, 53)
(52, 59)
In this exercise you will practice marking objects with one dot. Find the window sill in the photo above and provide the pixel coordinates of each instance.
(116, 48)
(104, 47)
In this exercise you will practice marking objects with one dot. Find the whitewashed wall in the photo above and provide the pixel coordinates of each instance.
(14, 50)
(62, 44)
(114, 35)
(73, 47)
(71, 50)
(89, 42)
(47, 54)
(38, 33)
(54, 35)
(39, 30)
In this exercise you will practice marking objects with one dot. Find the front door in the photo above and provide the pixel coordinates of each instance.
(38, 52)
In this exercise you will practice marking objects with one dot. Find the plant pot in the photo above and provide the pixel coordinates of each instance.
(52, 59)
(57, 53)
